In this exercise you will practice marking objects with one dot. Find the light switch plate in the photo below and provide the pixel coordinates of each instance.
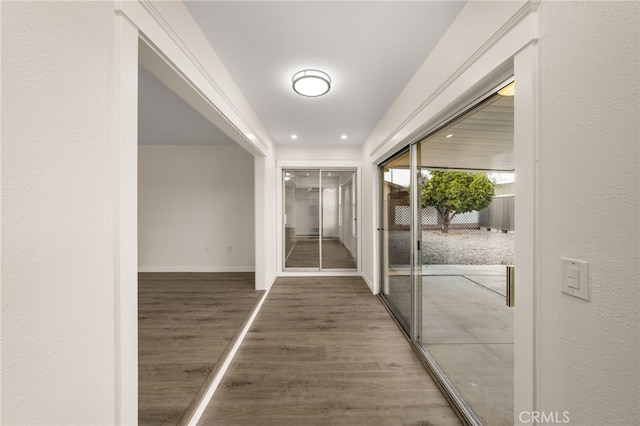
(575, 277)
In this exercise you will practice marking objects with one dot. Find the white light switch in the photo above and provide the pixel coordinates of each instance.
(573, 275)
(575, 278)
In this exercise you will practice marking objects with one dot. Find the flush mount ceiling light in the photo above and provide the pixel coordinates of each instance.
(311, 83)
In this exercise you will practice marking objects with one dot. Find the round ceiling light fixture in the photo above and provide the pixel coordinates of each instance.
(311, 83)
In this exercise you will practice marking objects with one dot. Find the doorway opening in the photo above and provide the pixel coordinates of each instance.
(319, 219)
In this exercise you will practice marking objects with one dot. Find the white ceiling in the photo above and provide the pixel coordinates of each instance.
(370, 50)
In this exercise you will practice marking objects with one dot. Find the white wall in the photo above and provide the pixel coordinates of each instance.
(369, 222)
(589, 352)
(58, 315)
(266, 185)
(195, 208)
(318, 153)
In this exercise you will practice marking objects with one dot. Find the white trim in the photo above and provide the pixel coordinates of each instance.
(526, 154)
(157, 23)
(153, 11)
(344, 273)
(188, 269)
(125, 169)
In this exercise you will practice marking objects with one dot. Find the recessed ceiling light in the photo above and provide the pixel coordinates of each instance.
(449, 135)
(343, 137)
(294, 136)
(311, 83)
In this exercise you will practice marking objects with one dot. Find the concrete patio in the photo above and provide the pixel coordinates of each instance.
(468, 329)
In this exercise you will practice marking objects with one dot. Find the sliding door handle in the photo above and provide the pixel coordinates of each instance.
(511, 282)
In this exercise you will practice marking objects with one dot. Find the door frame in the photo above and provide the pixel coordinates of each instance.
(161, 27)
(315, 165)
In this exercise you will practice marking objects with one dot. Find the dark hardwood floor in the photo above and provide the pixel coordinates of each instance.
(324, 351)
(185, 322)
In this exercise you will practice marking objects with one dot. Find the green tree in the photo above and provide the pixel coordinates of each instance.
(451, 193)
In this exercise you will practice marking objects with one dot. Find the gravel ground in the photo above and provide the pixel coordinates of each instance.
(458, 247)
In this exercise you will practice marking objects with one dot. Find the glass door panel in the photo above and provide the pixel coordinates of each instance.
(302, 219)
(338, 219)
(395, 178)
(467, 328)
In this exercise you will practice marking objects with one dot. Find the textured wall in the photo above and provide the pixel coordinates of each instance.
(58, 356)
(194, 203)
(589, 351)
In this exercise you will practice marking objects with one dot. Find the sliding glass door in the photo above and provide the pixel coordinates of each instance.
(320, 219)
(447, 242)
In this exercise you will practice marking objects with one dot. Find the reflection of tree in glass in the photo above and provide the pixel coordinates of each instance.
(451, 193)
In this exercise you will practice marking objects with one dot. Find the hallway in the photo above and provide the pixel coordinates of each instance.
(325, 351)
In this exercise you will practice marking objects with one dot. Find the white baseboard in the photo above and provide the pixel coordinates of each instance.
(196, 269)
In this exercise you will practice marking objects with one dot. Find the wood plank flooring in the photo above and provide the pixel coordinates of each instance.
(306, 254)
(324, 351)
(335, 255)
(185, 322)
